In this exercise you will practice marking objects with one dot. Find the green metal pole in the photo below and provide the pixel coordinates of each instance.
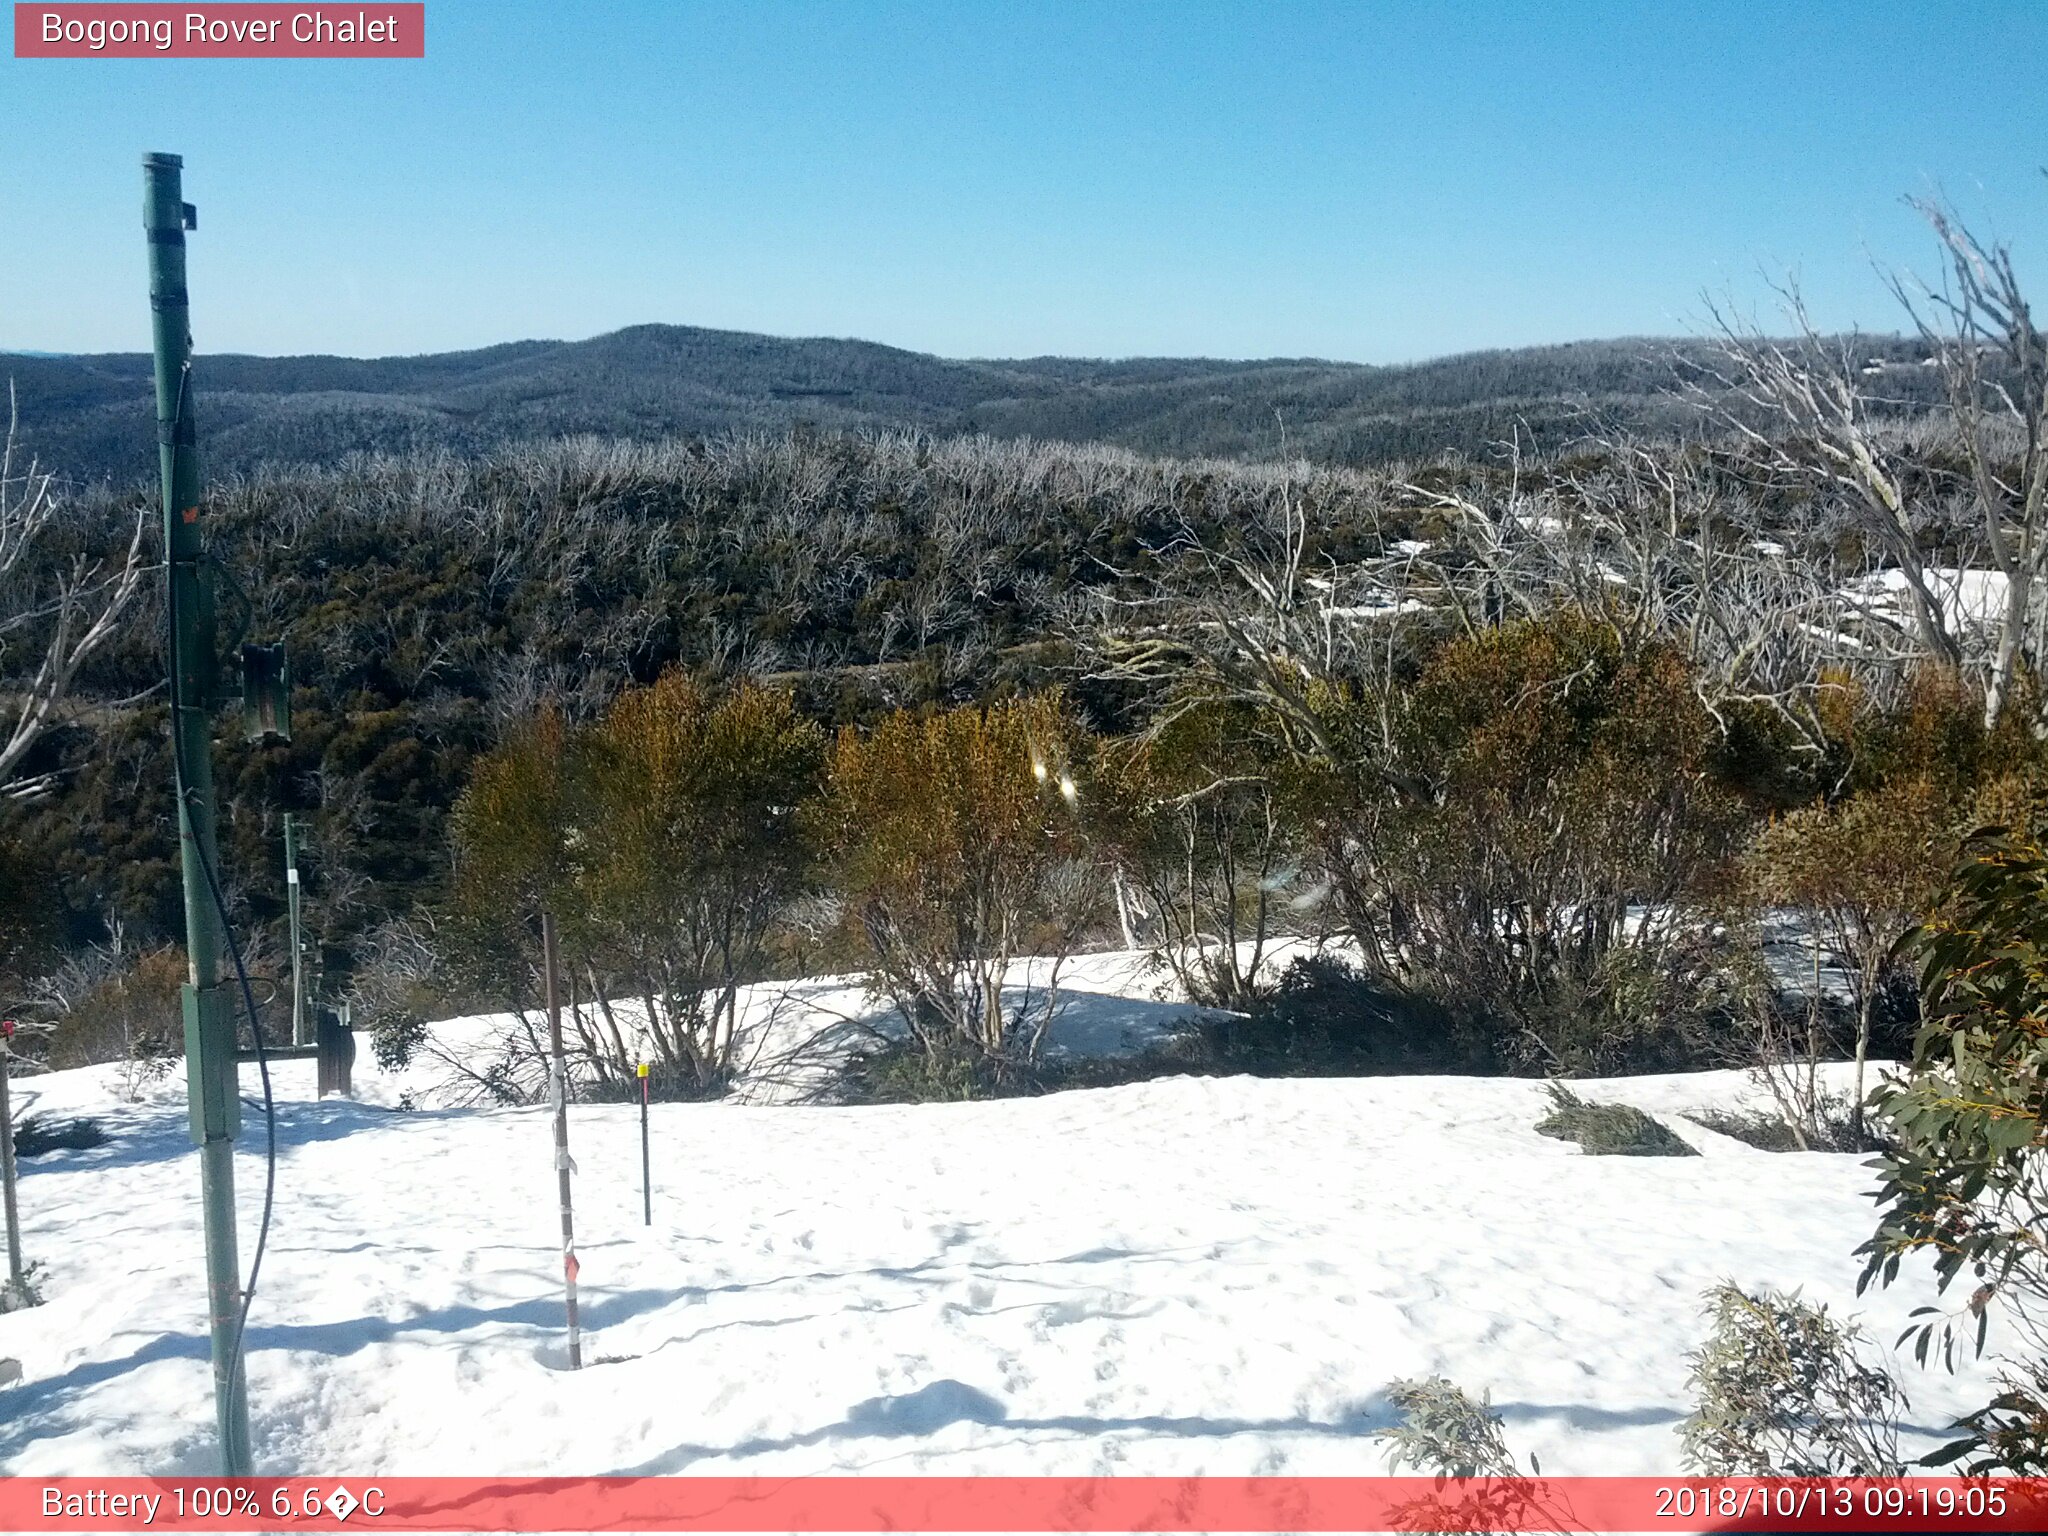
(210, 1070)
(16, 1292)
(291, 880)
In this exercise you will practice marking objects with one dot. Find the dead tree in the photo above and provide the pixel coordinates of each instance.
(1994, 370)
(1653, 545)
(55, 611)
(1816, 411)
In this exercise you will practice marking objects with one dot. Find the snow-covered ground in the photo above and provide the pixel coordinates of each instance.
(1183, 1276)
(1968, 598)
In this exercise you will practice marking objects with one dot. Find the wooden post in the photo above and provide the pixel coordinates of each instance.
(559, 1073)
(335, 1052)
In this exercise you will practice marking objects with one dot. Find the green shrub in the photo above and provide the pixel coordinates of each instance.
(1608, 1129)
(37, 1134)
(1967, 1179)
(16, 1298)
(1328, 1017)
(904, 1072)
(1182, 1054)
(1453, 1438)
(687, 852)
(1525, 837)
(954, 840)
(665, 840)
(396, 1037)
(1445, 1433)
(1753, 1127)
(1779, 1392)
(116, 1003)
(1836, 1130)
(940, 1071)
(2010, 1433)
(667, 1083)
(1194, 818)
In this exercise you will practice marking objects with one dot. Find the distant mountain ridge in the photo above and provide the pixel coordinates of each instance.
(90, 416)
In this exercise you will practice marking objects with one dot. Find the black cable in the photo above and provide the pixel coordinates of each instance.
(188, 800)
(269, 1106)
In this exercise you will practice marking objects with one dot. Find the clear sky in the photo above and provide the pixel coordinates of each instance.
(1375, 181)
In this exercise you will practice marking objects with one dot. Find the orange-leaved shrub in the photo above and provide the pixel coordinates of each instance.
(952, 838)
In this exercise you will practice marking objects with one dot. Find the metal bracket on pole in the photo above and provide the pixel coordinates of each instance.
(210, 1064)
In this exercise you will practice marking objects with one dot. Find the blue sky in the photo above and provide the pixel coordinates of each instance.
(1368, 181)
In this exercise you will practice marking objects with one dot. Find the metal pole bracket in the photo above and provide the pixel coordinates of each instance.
(216, 1099)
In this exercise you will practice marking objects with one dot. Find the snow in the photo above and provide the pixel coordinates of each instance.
(795, 1033)
(1968, 598)
(1184, 1276)
(1381, 607)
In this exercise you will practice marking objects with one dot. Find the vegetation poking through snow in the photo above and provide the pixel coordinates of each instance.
(1444, 1432)
(1608, 1129)
(1769, 1132)
(1780, 1391)
(35, 1135)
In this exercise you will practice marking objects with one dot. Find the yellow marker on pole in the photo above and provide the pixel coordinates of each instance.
(646, 1180)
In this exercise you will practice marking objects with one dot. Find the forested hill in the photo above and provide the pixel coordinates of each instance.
(89, 417)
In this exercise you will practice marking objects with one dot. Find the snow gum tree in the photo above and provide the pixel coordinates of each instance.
(664, 837)
(1820, 412)
(1860, 869)
(1195, 822)
(1544, 811)
(952, 837)
(691, 850)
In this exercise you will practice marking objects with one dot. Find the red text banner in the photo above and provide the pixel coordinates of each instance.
(987, 1504)
(239, 31)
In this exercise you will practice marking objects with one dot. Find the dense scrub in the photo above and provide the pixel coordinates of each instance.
(428, 601)
(1539, 826)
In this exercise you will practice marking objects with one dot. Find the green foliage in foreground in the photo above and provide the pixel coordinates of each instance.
(1445, 1432)
(1604, 1129)
(29, 1293)
(1967, 1181)
(1779, 1392)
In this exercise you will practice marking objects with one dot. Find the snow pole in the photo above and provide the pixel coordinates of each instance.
(212, 1078)
(558, 1074)
(646, 1176)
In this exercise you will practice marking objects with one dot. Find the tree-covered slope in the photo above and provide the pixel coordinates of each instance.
(89, 416)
